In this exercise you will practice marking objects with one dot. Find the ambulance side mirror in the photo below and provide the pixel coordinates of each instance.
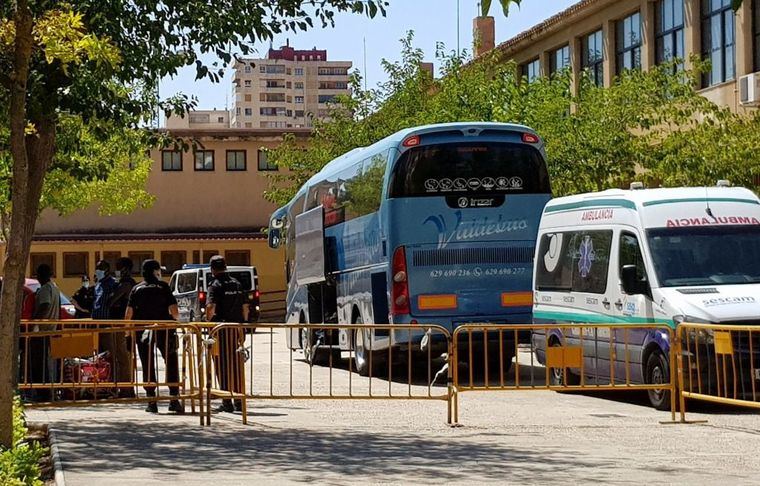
(631, 283)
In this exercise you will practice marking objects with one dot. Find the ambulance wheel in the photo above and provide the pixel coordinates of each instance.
(657, 371)
(557, 375)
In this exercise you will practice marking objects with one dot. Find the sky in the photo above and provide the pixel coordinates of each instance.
(431, 20)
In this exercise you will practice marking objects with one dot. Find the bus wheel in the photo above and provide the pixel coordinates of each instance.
(557, 375)
(657, 372)
(362, 354)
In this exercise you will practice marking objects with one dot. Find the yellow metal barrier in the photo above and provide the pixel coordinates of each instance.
(84, 362)
(568, 358)
(719, 364)
(252, 362)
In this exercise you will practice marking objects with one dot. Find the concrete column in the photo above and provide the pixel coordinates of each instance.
(543, 60)
(648, 44)
(576, 63)
(744, 64)
(608, 40)
(692, 31)
(484, 35)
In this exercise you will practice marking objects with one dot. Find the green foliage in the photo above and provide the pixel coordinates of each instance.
(651, 126)
(19, 465)
(485, 6)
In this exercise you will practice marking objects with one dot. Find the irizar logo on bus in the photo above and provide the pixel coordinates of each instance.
(473, 229)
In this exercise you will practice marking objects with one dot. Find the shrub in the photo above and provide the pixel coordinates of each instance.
(19, 466)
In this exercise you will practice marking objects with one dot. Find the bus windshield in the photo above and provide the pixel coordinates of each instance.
(469, 168)
(709, 255)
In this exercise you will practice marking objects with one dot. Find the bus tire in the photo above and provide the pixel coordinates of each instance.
(362, 356)
(657, 371)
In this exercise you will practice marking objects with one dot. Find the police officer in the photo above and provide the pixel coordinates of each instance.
(227, 303)
(152, 300)
(122, 346)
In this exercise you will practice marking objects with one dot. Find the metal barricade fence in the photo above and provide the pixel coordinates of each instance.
(719, 364)
(561, 357)
(259, 361)
(83, 362)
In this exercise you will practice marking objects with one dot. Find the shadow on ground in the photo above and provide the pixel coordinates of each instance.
(317, 454)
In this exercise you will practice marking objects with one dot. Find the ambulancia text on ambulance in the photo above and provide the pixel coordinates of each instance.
(646, 256)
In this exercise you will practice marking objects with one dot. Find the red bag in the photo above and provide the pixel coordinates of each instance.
(92, 370)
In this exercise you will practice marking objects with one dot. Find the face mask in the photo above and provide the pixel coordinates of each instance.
(100, 274)
(157, 274)
(86, 284)
(117, 274)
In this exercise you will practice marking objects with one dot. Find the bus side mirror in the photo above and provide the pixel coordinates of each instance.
(631, 283)
(275, 233)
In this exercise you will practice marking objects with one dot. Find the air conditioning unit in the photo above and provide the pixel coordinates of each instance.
(749, 89)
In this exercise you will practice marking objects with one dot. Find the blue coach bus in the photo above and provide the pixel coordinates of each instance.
(434, 224)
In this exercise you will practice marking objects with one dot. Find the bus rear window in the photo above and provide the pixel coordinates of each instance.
(467, 168)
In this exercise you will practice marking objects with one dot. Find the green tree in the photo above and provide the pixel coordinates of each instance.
(651, 126)
(485, 6)
(100, 60)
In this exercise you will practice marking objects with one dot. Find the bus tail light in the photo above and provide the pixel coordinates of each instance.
(400, 293)
(530, 138)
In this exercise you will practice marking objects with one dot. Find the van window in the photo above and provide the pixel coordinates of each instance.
(630, 254)
(187, 282)
(574, 261)
(244, 277)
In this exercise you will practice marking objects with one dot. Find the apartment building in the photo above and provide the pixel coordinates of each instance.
(607, 36)
(199, 119)
(287, 89)
(209, 201)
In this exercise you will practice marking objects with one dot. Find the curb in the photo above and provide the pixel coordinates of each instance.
(60, 479)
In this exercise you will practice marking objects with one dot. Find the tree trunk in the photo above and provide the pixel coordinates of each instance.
(32, 154)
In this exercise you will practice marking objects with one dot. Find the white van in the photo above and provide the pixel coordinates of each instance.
(190, 287)
(645, 256)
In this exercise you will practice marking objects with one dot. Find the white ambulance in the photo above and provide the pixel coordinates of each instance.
(645, 256)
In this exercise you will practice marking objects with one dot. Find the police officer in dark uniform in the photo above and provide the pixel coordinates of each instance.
(227, 303)
(152, 300)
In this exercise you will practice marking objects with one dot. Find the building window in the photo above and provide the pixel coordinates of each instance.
(111, 257)
(718, 41)
(237, 111)
(248, 125)
(173, 260)
(220, 119)
(204, 160)
(326, 98)
(138, 257)
(196, 257)
(299, 85)
(669, 32)
(264, 164)
(247, 69)
(238, 258)
(75, 264)
(37, 259)
(559, 60)
(249, 112)
(593, 56)
(756, 32)
(530, 70)
(247, 83)
(299, 71)
(207, 254)
(299, 113)
(236, 160)
(299, 99)
(171, 160)
(262, 69)
(628, 44)
(247, 98)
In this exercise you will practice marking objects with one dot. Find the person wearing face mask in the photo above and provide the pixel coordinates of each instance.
(152, 300)
(83, 299)
(115, 343)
